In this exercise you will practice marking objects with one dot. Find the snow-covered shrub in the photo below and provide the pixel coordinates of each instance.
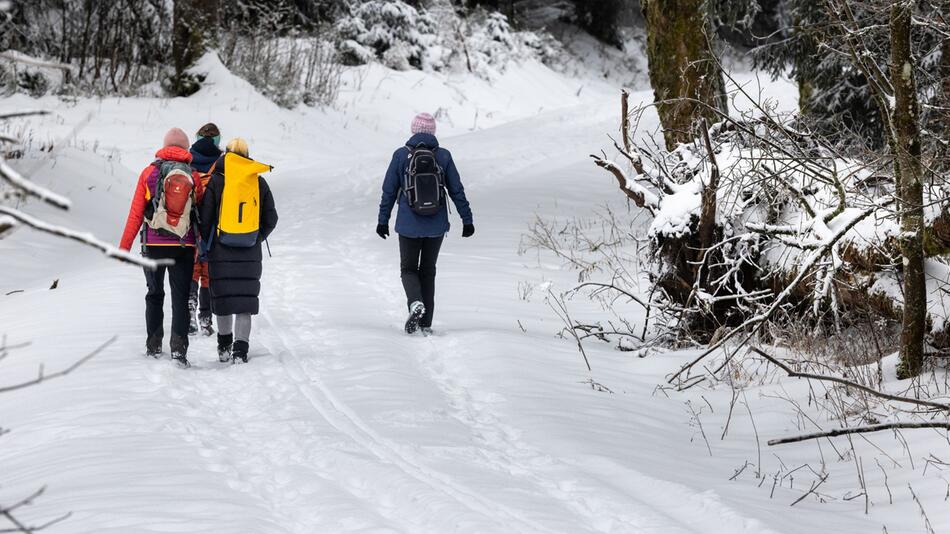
(437, 38)
(763, 222)
(391, 30)
(288, 71)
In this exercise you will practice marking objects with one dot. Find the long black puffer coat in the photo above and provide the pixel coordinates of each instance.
(235, 272)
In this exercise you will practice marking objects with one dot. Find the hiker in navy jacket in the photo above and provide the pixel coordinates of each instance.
(204, 153)
(420, 236)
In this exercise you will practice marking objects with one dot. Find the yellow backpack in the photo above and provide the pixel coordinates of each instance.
(239, 214)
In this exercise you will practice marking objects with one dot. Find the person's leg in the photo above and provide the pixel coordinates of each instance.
(242, 327)
(225, 324)
(225, 336)
(154, 310)
(409, 250)
(193, 300)
(242, 333)
(429, 258)
(179, 279)
(204, 294)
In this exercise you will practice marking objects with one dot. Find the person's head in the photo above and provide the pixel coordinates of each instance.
(238, 146)
(176, 137)
(210, 130)
(423, 123)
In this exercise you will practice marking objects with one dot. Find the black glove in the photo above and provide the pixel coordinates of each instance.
(382, 230)
(468, 230)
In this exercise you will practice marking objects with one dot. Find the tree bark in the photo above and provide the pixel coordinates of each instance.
(684, 75)
(908, 171)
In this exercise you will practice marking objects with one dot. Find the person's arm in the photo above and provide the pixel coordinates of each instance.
(208, 210)
(199, 186)
(133, 223)
(268, 210)
(390, 190)
(453, 182)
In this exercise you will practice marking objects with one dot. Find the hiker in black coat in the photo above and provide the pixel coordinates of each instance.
(235, 271)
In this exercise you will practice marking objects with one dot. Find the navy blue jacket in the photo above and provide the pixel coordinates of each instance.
(408, 223)
(203, 154)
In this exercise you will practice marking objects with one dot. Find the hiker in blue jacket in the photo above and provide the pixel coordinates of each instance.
(422, 219)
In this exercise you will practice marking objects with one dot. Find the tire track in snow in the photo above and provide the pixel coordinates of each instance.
(341, 417)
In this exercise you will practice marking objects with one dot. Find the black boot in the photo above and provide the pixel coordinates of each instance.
(153, 346)
(239, 352)
(206, 327)
(179, 346)
(224, 347)
(416, 311)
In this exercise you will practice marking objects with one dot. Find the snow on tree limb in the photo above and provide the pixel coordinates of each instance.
(804, 270)
(84, 238)
(17, 57)
(18, 181)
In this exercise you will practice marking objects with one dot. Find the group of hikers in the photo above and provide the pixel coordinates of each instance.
(203, 214)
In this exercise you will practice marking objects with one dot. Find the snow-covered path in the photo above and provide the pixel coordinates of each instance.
(341, 423)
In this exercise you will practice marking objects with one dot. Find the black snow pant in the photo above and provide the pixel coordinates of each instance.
(418, 256)
(179, 280)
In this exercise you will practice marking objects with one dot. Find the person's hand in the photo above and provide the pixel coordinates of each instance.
(382, 230)
(468, 230)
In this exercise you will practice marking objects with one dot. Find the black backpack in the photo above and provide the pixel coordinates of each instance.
(424, 184)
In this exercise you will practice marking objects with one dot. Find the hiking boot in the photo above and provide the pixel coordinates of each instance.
(193, 314)
(179, 347)
(224, 347)
(239, 352)
(206, 326)
(416, 311)
(153, 347)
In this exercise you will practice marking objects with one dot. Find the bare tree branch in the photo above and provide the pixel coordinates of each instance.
(859, 430)
(795, 374)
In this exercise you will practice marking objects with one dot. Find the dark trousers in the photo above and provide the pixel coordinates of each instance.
(202, 294)
(418, 256)
(179, 280)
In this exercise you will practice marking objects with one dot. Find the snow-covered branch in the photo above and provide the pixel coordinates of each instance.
(84, 238)
(19, 182)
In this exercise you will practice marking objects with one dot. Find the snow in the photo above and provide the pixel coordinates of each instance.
(340, 422)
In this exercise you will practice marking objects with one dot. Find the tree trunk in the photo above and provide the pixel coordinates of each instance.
(908, 171)
(195, 24)
(687, 84)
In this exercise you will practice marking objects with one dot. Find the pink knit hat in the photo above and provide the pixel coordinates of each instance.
(423, 123)
(176, 137)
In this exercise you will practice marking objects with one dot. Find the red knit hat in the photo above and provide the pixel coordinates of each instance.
(423, 123)
(176, 137)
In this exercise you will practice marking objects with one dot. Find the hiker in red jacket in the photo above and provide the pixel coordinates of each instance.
(172, 212)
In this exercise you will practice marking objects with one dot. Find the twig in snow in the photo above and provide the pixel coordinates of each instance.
(923, 513)
(7, 512)
(42, 376)
(814, 486)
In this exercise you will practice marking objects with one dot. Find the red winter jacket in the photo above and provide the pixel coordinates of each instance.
(142, 195)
